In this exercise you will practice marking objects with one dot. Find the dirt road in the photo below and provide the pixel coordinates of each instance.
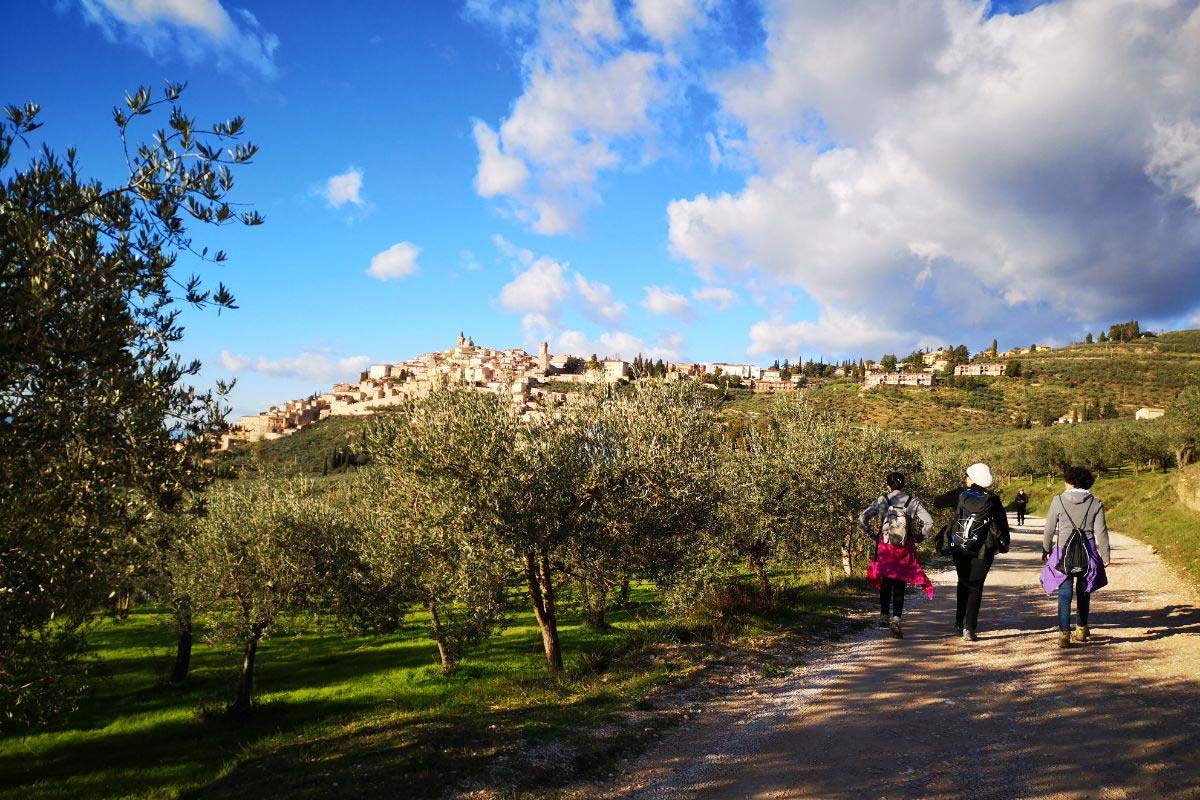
(931, 716)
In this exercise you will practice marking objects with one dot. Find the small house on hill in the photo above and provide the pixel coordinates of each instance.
(1149, 413)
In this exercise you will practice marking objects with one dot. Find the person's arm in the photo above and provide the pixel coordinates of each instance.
(1100, 528)
(925, 517)
(949, 499)
(1001, 518)
(1050, 529)
(868, 514)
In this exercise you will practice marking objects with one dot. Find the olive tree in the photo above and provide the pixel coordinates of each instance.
(1182, 423)
(837, 469)
(647, 488)
(95, 405)
(458, 458)
(759, 499)
(425, 541)
(266, 547)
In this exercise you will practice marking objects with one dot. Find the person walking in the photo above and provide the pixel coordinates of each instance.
(1020, 503)
(978, 531)
(895, 564)
(1075, 567)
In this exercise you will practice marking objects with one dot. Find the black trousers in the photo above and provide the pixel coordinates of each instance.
(972, 572)
(891, 597)
(1020, 516)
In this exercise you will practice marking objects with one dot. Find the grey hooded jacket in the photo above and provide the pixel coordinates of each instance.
(1085, 510)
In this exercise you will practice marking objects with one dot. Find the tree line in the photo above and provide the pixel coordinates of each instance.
(464, 501)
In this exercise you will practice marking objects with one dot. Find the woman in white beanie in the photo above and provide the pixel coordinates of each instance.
(978, 531)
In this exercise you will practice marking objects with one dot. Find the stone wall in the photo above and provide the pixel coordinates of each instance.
(1187, 486)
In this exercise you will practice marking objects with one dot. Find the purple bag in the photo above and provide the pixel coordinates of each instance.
(1096, 577)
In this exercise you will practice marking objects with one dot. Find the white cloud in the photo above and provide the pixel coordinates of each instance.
(468, 261)
(596, 21)
(194, 29)
(345, 188)
(234, 364)
(833, 334)
(540, 289)
(398, 261)
(510, 250)
(598, 302)
(924, 166)
(668, 345)
(1175, 158)
(313, 365)
(718, 297)
(667, 20)
(586, 98)
(661, 300)
(498, 173)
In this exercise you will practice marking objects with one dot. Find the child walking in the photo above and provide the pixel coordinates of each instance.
(895, 564)
(1076, 509)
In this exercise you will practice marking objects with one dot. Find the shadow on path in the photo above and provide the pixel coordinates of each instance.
(1010, 716)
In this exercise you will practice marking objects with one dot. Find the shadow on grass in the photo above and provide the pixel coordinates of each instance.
(372, 713)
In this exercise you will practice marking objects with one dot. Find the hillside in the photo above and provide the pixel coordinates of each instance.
(314, 449)
(1127, 375)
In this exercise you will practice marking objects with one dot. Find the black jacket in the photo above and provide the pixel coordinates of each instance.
(995, 511)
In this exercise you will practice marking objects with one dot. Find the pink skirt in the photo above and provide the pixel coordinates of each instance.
(899, 563)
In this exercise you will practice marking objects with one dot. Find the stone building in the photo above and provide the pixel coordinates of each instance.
(747, 372)
(922, 379)
(981, 370)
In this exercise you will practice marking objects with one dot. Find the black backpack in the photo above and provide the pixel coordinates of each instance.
(1074, 559)
(971, 530)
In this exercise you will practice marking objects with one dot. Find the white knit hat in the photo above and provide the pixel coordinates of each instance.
(980, 475)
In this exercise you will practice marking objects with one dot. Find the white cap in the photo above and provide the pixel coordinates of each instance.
(980, 475)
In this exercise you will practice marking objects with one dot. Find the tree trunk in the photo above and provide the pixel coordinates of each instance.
(541, 596)
(848, 553)
(439, 636)
(592, 601)
(245, 691)
(759, 564)
(183, 644)
(123, 604)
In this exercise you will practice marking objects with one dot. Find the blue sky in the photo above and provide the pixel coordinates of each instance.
(693, 179)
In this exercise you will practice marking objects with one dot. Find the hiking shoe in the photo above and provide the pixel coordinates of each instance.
(884, 621)
(1082, 634)
(897, 631)
(1064, 638)
(968, 635)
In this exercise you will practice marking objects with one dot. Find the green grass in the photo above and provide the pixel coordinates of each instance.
(373, 714)
(1144, 506)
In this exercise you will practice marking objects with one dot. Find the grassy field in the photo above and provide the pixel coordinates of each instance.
(369, 714)
(1144, 506)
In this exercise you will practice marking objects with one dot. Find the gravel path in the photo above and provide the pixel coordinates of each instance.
(931, 716)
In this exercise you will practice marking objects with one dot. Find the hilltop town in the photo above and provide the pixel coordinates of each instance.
(537, 382)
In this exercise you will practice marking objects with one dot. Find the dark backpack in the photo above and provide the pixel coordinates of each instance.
(971, 530)
(1074, 559)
